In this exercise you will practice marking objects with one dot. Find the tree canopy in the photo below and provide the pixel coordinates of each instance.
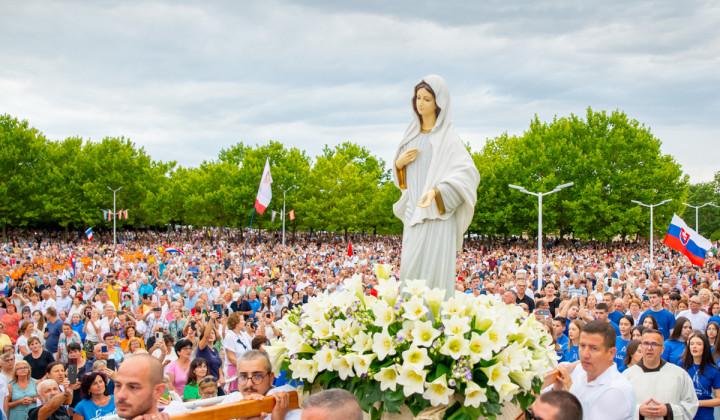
(611, 159)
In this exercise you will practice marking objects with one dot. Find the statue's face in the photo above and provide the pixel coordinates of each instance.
(425, 103)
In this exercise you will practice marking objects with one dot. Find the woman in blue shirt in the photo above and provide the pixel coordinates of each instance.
(675, 345)
(97, 402)
(571, 352)
(705, 375)
(626, 324)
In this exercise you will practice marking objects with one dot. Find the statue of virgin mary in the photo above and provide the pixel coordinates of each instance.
(439, 182)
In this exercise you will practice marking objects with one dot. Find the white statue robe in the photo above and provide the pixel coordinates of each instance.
(431, 237)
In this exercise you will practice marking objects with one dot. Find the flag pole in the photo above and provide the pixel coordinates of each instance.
(242, 267)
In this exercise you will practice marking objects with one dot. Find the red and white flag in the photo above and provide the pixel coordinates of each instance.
(264, 194)
(292, 214)
(349, 248)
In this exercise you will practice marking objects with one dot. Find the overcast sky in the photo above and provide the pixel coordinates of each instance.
(184, 79)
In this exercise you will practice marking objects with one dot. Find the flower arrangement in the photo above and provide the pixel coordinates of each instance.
(416, 349)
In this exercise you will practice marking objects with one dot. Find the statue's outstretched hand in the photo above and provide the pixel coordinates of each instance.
(426, 198)
(408, 156)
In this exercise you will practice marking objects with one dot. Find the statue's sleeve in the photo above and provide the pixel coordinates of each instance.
(447, 198)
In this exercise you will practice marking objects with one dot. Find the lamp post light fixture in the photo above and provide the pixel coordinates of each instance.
(114, 213)
(652, 206)
(697, 208)
(540, 195)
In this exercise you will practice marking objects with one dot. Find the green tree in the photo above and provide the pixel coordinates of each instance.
(341, 187)
(709, 216)
(21, 172)
(611, 160)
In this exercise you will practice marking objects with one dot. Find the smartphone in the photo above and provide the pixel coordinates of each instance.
(158, 337)
(542, 314)
(98, 290)
(166, 394)
(120, 313)
(111, 364)
(104, 349)
(72, 370)
(193, 325)
(218, 308)
(157, 309)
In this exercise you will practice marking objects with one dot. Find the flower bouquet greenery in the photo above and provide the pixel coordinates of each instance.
(412, 347)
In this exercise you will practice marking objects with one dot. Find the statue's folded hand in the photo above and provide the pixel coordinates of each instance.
(406, 157)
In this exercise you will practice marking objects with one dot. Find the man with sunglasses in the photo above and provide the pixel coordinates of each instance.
(255, 379)
(662, 389)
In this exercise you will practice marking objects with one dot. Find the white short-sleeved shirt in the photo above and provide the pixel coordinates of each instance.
(609, 397)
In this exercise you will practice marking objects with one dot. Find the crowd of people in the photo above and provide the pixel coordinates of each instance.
(204, 304)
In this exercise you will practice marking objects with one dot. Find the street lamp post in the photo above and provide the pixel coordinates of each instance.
(697, 213)
(652, 206)
(540, 195)
(114, 213)
(285, 190)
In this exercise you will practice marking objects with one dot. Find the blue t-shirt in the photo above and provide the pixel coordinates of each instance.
(571, 354)
(664, 318)
(54, 329)
(615, 316)
(621, 351)
(704, 385)
(90, 411)
(213, 358)
(673, 351)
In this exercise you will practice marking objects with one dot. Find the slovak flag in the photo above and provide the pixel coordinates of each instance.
(173, 250)
(264, 194)
(685, 240)
(89, 234)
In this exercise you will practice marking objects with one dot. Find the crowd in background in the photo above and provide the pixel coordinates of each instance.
(66, 300)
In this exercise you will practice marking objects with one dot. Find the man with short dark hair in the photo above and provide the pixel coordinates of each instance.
(664, 318)
(521, 288)
(663, 390)
(556, 405)
(138, 387)
(603, 392)
(331, 404)
(601, 314)
(53, 330)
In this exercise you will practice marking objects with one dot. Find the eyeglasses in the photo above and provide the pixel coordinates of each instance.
(651, 345)
(208, 379)
(256, 378)
(22, 368)
(530, 415)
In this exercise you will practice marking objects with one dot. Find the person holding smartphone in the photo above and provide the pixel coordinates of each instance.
(266, 326)
(206, 350)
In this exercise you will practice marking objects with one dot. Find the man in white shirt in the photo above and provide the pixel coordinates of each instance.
(64, 302)
(603, 392)
(698, 319)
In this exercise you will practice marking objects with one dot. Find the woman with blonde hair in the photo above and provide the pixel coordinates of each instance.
(22, 392)
(132, 345)
(572, 352)
(26, 332)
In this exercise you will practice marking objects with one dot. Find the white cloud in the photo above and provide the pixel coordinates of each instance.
(185, 79)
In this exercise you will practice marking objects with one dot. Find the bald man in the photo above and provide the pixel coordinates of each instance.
(331, 404)
(138, 387)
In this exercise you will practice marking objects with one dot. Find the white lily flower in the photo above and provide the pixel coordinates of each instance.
(507, 391)
(437, 392)
(388, 290)
(455, 346)
(355, 285)
(342, 328)
(387, 377)
(416, 357)
(474, 395)
(295, 344)
(522, 378)
(324, 358)
(363, 342)
(414, 308)
(456, 325)
(415, 287)
(361, 363)
(383, 271)
(343, 365)
(412, 380)
(305, 369)
(277, 353)
(424, 334)
(434, 298)
(497, 375)
(384, 315)
(383, 345)
(480, 347)
(497, 337)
